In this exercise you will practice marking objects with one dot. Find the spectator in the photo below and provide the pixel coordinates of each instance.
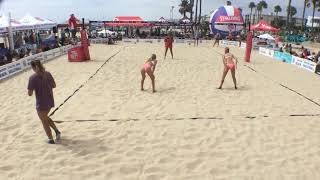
(26, 38)
(230, 37)
(281, 49)
(32, 38)
(73, 25)
(239, 39)
(67, 31)
(304, 54)
(46, 48)
(63, 37)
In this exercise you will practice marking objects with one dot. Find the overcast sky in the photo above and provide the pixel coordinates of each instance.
(59, 10)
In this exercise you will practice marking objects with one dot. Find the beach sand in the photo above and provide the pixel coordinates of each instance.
(188, 130)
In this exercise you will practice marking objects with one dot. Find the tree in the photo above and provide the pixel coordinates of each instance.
(196, 15)
(191, 7)
(184, 7)
(304, 12)
(288, 14)
(277, 9)
(261, 5)
(293, 12)
(200, 10)
(251, 6)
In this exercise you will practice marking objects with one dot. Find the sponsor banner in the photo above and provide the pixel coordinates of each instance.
(48, 55)
(148, 41)
(127, 40)
(179, 40)
(297, 61)
(284, 57)
(304, 64)
(309, 65)
(243, 45)
(14, 68)
(266, 52)
(228, 43)
(3, 72)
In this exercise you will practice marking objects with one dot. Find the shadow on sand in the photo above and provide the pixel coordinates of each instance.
(83, 147)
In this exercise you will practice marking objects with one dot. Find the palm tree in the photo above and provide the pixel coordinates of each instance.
(277, 9)
(200, 10)
(288, 14)
(293, 12)
(184, 7)
(304, 12)
(191, 8)
(261, 5)
(196, 15)
(251, 6)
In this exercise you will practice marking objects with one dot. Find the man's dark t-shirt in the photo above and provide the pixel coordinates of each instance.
(42, 85)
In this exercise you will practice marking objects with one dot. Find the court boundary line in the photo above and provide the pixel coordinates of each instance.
(182, 119)
(83, 84)
(274, 81)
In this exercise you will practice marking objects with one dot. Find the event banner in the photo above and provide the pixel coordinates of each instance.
(243, 45)
(3, 72)
(284, 57)
(304, 64)
(266, 52)
(228, 43)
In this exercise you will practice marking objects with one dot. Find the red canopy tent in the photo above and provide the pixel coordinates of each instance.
(263, 26)
(134, 21)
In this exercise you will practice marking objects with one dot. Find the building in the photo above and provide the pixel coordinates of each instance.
(316, 22)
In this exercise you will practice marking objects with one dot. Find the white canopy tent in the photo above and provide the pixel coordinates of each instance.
(266, 36)
(16, 25)
(36, 22)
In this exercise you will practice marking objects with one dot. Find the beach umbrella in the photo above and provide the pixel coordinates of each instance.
(266, 36)
(225, 20)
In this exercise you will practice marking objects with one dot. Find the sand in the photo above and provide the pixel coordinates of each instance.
(187, 130)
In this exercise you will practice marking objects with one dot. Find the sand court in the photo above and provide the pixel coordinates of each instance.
(187, 130)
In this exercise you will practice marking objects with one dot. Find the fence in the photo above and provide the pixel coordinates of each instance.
(285, 57)
(13, 68)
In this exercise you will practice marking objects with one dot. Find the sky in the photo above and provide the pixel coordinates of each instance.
(59, 10)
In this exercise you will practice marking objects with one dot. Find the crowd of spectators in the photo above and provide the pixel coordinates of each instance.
(28, 43)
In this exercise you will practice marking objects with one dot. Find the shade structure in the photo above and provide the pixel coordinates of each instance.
(266, 36)
(185, 20)
(36, 22)
(16, 25)
(131, 24)
(263, 26)
(226, 20)
(162, 20)
(128, 19)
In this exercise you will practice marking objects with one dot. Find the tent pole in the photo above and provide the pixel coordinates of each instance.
(11, 44)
